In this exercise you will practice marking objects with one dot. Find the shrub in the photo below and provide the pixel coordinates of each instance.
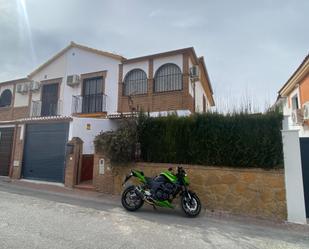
(118, 145)
(237, 140)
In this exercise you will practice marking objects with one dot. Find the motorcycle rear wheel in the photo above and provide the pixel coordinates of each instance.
(130, 200)
(192, 207)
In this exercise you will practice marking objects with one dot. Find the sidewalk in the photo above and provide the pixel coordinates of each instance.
(57, 192)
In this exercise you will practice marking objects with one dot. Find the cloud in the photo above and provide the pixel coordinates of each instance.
(189, 22)
(155, 13)
(254, 45)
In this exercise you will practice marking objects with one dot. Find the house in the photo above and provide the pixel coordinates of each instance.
(293, 100)
(82, 91)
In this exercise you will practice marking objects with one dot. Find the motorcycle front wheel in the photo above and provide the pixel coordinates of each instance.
(191, 205)
(130, 200)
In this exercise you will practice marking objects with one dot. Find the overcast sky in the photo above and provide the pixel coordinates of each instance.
(250, 47)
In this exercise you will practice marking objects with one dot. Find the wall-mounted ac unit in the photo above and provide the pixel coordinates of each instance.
(34, 86)
(73, 80)
(306, 111)
(297, 116)
(22, 88)
(194, 73)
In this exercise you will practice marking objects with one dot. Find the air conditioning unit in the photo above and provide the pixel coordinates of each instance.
(306, 111)
(297, 116)
(34, 86)
(194, 72)
(73, 80)
(22, 88)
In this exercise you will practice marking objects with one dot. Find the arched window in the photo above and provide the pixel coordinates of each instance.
(168, 78)
(6, 98)
(135, 82)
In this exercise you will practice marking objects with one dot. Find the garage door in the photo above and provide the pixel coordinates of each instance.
(6, 141)
(44, 152)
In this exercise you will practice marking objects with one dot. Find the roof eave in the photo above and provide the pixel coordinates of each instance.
(298, 74)
(189, 50)
(71, 45)
(202, 61)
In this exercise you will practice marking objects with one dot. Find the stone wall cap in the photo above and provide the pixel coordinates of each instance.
(205, 167)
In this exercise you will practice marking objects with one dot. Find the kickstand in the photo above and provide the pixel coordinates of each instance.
(154, 207)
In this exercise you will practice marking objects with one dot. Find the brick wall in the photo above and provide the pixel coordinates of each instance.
(167, 101)
(251, 192)
(104, 183)
(10, 113)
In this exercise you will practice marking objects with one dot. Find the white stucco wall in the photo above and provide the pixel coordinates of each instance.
(21, 99)
(7, 87)
(78, 61)
(4, 87)
(191, 91)
(78, 128)
(158, 62)
(136, 65)
(199, 93)
(176, 59)
(179, 113)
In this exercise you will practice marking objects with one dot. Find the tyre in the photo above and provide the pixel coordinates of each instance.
(191, 206)
(130, 200)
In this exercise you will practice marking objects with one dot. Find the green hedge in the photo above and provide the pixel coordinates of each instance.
(237, 140)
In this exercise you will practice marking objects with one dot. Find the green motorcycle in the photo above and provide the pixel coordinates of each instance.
(160, 191)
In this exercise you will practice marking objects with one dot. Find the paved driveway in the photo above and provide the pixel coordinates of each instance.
(38, 219)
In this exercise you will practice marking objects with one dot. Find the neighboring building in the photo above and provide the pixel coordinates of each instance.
(293, 100)
(82, 91)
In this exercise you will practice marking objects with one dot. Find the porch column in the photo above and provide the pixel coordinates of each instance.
(73, 162)
(293, 177)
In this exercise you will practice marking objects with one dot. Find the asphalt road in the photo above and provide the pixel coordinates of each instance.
(31, 218)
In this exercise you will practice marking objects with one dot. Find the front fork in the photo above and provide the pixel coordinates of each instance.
(186, 193)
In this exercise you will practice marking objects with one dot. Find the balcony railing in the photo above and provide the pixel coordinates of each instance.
(46, 109)
(92, 103)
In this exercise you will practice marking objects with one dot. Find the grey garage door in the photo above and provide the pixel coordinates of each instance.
(6, 141)
(44, 151)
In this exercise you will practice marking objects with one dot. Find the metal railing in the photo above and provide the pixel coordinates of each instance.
(92, 103)
(47, 109)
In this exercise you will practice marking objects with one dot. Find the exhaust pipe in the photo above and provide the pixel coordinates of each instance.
(140, 194)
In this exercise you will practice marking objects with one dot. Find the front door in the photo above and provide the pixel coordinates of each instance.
(304, 149)
(87, 168)
(6, 142)
(49, 99)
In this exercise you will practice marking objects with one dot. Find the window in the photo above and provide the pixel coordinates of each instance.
(93, 98)
(135, 82)
(294, 102)
(168, 78)
(6, 98)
